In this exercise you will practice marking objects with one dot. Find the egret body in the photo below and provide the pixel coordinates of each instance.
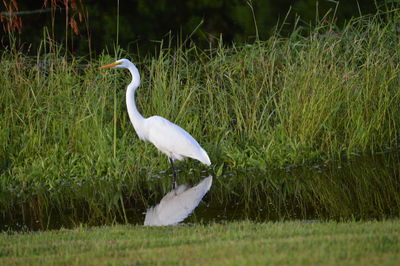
(168, 138)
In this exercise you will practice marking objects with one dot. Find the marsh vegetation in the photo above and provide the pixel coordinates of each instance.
(320, 97)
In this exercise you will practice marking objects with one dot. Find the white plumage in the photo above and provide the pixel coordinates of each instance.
(177, 204)
(173, 141)
(168, 138)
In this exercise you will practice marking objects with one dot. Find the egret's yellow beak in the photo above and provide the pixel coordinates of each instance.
(111, 65)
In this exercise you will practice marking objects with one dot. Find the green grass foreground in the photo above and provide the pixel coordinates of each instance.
(298, 243)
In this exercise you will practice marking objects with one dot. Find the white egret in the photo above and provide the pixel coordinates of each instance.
(177, 204)
(168, 138)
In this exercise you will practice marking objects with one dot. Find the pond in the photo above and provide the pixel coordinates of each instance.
(363, 188)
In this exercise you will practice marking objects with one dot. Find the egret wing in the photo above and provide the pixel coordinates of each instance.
(172, 139)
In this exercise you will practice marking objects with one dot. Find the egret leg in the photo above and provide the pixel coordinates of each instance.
(174, 178)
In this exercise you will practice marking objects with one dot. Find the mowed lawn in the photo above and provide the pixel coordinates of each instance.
(237, 243)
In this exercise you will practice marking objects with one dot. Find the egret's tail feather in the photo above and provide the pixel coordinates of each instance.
(204, 158)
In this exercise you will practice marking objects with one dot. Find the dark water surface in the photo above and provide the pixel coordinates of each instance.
(364, 188)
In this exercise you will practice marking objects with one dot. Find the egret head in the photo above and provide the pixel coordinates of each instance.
(121, 63)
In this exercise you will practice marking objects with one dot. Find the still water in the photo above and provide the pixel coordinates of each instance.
(363, 188)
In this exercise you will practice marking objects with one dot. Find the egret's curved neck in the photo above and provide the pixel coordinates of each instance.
(134, 115)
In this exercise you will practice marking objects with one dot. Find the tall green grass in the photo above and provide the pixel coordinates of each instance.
(316, 95)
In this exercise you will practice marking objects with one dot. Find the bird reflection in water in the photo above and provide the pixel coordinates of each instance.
(177, 204)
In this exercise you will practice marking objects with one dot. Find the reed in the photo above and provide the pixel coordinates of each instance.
(285, 100)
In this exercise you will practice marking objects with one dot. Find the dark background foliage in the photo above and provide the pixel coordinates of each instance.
(143, 23)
